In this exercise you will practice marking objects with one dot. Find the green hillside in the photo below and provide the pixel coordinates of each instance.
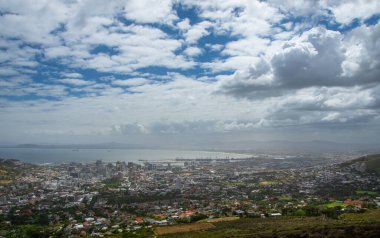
(348, 225)
(373, 163)
(369, 162)
(10, 169)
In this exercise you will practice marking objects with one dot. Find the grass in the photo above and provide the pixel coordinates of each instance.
(370, 216)
(335, 204)
(266, 183)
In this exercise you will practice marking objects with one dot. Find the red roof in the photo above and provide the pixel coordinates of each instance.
(186, 214)
(139, 220)
(357, 203)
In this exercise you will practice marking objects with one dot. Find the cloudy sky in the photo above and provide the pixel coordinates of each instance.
(189, 72)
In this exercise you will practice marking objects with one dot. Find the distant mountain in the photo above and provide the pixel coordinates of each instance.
(246, 146)
(25, 146)
(110, 145)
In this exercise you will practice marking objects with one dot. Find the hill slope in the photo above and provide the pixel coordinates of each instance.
(373, 163)
(348, 225)
(10, 169)
(368, 163)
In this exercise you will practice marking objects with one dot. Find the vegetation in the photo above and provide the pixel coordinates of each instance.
(7, 172)
(373, 163)
(370, 162)
(112, 182)
(34, 231)
(183, 228)
(369, 193)
(11, 169)
(122, 199)
(334, 204)
(141, 233)
(348, 225)
(266, 183)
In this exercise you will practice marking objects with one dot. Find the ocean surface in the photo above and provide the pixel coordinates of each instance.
(57, 156)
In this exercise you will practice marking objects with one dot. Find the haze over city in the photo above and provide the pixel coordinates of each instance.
(189, 73)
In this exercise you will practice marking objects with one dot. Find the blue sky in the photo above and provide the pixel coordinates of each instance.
(189, 72)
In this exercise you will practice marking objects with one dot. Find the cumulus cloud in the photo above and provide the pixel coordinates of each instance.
(346, 11)
(197, 31)
(343, 12)
(317, 58)
(215, 47)
(193, 51)
(150, 11)
(184, 25)
(362, 61)
(313, 59)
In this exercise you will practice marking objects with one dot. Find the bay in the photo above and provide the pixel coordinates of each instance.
(58, 156)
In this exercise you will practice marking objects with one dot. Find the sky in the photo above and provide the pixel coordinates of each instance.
(196, 73)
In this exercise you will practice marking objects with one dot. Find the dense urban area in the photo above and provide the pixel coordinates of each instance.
(165, 198)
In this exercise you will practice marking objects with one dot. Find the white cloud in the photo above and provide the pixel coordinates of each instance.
(45, 16)
(193, 51)
(131, 82)
(299, 7)
(245, 18)
(8, 72)
(215, 47)
(82, 25)
(58, 51)
(197, 31)
(130, 129)
(75, 81)
(362, 60)
(34, 89)
(137, 46)
(150, 11)
(72, 75)
(314, 58)
(346, 11)
(184, 25)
